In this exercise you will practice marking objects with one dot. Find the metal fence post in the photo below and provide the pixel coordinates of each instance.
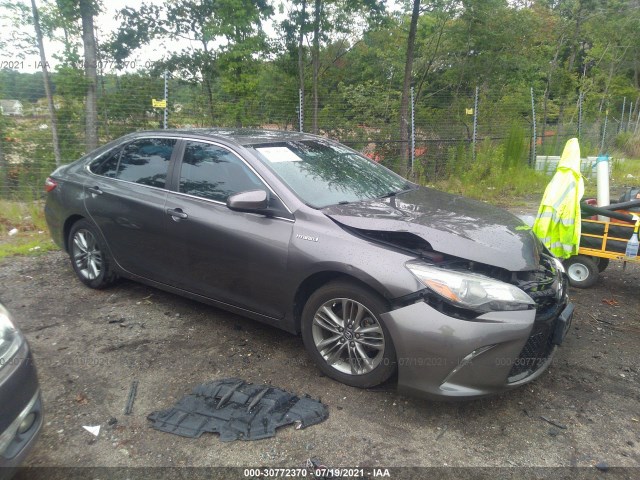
(580, 97)
(300, 110)
(604, 130)
(475, 124)
(534, 133)
(413, 132)
(624, 109)
(166, 98)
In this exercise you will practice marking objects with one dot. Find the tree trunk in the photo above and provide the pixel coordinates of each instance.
(301, 55)
(90, 68)
(206, 75)
(47, 85)
(406, 86)
(571, 62)
(316, 62)
(431, 61)
(547, 90)
(207, 86)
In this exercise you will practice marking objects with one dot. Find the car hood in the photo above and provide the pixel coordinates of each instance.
(452, 225)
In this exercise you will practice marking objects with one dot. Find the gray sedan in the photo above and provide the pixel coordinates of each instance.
(20, 403)
(379, 275)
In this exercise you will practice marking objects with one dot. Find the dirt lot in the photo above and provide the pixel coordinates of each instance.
(90, 345)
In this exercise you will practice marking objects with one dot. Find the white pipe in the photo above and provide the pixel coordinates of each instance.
(602, 181)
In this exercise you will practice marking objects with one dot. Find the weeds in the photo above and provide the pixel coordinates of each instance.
(23, 229)
(499, 174)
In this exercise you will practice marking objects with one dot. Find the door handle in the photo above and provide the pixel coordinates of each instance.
(95, 190)
(176, 213)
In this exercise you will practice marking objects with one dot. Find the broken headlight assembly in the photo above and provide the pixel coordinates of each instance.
(470, 290)
(10, 337)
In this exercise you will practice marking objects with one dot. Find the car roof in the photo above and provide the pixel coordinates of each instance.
(241, 136)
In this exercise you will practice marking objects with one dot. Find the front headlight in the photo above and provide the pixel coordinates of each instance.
(470, 290)
(10, 337)
(558, 264)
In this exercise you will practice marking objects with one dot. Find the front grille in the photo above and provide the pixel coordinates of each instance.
(535, 352)
(547, 287)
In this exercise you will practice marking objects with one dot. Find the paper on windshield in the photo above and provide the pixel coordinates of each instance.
(278, 154)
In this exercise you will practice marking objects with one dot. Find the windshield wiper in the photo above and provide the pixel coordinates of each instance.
(390, 194)
(393, 194)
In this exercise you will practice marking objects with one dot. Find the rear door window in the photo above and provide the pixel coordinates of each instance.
(146, 161)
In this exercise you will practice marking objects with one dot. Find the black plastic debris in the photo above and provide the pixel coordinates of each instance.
(238, 410)
(128, 408)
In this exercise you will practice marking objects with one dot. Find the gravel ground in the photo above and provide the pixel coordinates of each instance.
(90, 345)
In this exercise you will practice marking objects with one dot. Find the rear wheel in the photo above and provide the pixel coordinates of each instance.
(89, 256)
(344, 334)
(582, 271)
(601, 263)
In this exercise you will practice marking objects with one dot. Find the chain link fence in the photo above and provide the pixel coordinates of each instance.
(448, 128)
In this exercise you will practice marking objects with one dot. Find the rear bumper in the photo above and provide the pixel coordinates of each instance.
(443, 357)
(53, 217)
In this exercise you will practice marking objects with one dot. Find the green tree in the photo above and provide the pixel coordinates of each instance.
(226, 32)
(47, 84)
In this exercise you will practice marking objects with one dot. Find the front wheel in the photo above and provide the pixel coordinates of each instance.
(582, 271)
(89, 256)
(344, 334)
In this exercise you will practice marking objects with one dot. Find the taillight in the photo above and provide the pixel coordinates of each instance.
(49, 184)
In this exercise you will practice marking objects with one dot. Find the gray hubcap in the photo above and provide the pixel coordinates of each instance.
(348, 336)
(86, 254)
(578, 272)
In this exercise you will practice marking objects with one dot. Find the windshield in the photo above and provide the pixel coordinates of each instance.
(323, 173)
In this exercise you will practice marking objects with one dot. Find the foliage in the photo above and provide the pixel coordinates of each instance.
(624, 174)
(491, 177)
(228, 72)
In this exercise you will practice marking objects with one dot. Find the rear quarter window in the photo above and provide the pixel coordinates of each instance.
(106, 164)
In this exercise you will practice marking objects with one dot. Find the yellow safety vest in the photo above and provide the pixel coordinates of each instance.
(558, 221)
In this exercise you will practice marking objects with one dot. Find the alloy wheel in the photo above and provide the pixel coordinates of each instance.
(348, 336)
(86, 254)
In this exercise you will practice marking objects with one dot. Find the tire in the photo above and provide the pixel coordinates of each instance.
(582, 271)
(89, 256)
(344, 356)
(601, 263)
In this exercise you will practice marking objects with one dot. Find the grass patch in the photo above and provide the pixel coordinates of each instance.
(23, 229)
(28, 247)
(625, 173)
(499, 176)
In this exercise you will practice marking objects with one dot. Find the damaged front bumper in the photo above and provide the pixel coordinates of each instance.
(444, 357)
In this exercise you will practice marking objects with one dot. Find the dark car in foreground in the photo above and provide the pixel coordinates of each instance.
(377, 274)
(20, 404)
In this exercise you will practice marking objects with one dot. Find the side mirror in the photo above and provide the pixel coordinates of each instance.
(253, 201)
